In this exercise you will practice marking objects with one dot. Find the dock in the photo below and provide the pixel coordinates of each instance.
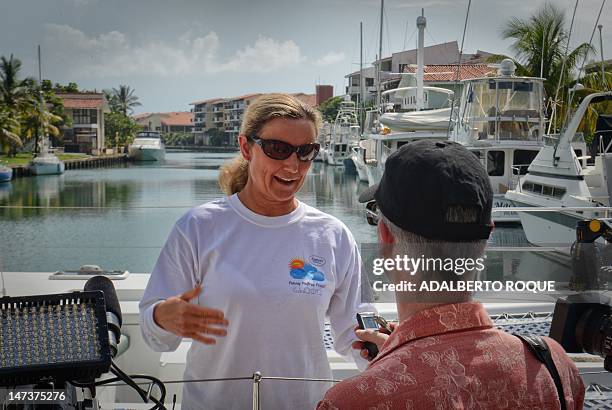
(101, 161)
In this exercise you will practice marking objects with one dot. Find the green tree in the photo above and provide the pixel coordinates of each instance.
(21, 102)
(217, 137)
(593, 82)
(119, 129)
(123, 99)
(329, 108)
(9, 128)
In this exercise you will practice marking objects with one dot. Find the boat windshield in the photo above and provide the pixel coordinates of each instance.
(148, 134)
(503, 109)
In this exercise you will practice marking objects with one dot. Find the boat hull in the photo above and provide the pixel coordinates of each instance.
(6, 174)
(146, 154)
(47, 168)
(360, 166)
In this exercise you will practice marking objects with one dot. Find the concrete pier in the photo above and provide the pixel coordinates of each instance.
(78, 163)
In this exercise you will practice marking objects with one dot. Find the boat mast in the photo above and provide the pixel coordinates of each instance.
(382, 6)
(361, 79)
(421, 24)
(603, 73)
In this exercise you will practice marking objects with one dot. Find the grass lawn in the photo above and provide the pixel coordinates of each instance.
(24, 158)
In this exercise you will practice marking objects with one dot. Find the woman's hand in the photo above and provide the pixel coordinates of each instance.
(184, 319)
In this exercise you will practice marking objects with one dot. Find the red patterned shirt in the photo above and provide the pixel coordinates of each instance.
(452, 357)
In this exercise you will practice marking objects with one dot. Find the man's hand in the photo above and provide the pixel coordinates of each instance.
(184, 319)
(370, 335)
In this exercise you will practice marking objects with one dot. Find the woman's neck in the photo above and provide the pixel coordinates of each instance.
(261, 206)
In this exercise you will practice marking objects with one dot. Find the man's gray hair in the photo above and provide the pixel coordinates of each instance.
(417, 246)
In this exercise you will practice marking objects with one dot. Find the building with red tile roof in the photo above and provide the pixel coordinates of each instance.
(181, 121)
(451, 72)
(86, 110)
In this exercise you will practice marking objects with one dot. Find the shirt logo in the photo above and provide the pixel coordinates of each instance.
(317, 260)
(298, 269)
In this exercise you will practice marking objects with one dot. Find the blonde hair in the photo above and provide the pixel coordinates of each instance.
(234, 174)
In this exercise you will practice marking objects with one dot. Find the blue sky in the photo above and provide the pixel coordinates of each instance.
(175, 52)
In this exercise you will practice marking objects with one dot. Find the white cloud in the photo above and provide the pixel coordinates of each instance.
(113, 54)
(329, 58)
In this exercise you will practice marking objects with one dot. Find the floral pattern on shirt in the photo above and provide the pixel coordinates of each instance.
(451, 357)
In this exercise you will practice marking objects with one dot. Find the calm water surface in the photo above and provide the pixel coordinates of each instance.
(119, 218)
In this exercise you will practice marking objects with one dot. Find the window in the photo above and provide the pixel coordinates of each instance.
(522, 159)
(369, 82)
(495, 163)
(84, 116)
(541, 189)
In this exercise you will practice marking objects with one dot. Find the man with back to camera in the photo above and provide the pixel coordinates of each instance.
(435, 201)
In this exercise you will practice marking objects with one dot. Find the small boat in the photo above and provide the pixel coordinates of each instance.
(46, 163)
(6, 173)
(147, 146)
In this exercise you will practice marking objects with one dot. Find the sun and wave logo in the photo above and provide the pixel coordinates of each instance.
(302, 270)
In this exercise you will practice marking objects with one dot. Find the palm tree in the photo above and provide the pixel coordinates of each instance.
(124, 100)
(9, 131)
(540, 43)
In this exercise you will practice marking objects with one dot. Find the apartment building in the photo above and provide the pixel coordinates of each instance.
(86, 109)
(234, 111)
(217, 121)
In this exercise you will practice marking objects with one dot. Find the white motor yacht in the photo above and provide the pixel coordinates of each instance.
(559, 178)
(344, 133)
(147, 146)
(502, 121)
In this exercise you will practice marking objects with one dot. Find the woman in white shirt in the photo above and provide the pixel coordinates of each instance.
(252, 276)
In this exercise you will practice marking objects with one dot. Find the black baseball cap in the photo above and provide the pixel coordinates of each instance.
(423, 180)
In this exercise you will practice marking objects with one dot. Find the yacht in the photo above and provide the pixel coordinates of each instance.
(502, 119)
(147, 146)
(344, 133)
(559, 178)
(6, 173)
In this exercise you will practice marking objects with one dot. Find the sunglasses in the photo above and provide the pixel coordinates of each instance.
(372, 213)
(282, 150)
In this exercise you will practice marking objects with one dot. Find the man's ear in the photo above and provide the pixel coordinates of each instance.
(245, 147)
(386, 237)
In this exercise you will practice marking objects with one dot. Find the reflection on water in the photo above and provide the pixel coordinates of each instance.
(119, 217)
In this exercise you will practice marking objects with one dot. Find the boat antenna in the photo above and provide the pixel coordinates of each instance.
(467, 14)
(569, 36)
(569, 102)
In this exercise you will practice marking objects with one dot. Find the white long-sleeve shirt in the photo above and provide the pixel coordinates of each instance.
(276, 279)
